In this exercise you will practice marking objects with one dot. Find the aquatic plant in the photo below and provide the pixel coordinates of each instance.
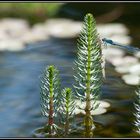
(67, 109)
(50, 91)
(88, 70)
(137, 111)
(88, 77)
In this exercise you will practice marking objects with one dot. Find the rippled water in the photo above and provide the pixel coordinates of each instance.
(20, 98)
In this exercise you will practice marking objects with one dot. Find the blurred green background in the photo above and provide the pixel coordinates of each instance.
(105, 11)
(34, 12)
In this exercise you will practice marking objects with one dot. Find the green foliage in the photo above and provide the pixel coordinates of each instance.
(88, 64)
(137, 111)
(88, 69)
(34, 12)
(88, 77)
(50, 91)
(67, 108)
(67, 102)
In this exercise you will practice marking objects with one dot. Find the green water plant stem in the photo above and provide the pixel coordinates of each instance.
(50, 90)
(88, 69)
(137, 111)
(67, 109)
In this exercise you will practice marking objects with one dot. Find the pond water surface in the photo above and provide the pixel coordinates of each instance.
(20, 112)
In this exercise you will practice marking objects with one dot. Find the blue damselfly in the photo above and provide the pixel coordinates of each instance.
(128, 48)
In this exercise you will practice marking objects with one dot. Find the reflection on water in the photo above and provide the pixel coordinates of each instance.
(20, 112)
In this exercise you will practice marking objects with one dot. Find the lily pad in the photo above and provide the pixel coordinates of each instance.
(131, 79)
(102, 108)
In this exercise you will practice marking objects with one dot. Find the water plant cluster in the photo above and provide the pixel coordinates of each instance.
(58, 105)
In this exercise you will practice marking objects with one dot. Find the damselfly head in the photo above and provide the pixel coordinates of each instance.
(107, 40)
(104, 43)
(104, 39)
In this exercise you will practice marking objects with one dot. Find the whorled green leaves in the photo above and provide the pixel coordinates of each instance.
(88, 69)
(88, 77)
(88, 66)
(137, 111)
(50, 92)
(67, 108)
